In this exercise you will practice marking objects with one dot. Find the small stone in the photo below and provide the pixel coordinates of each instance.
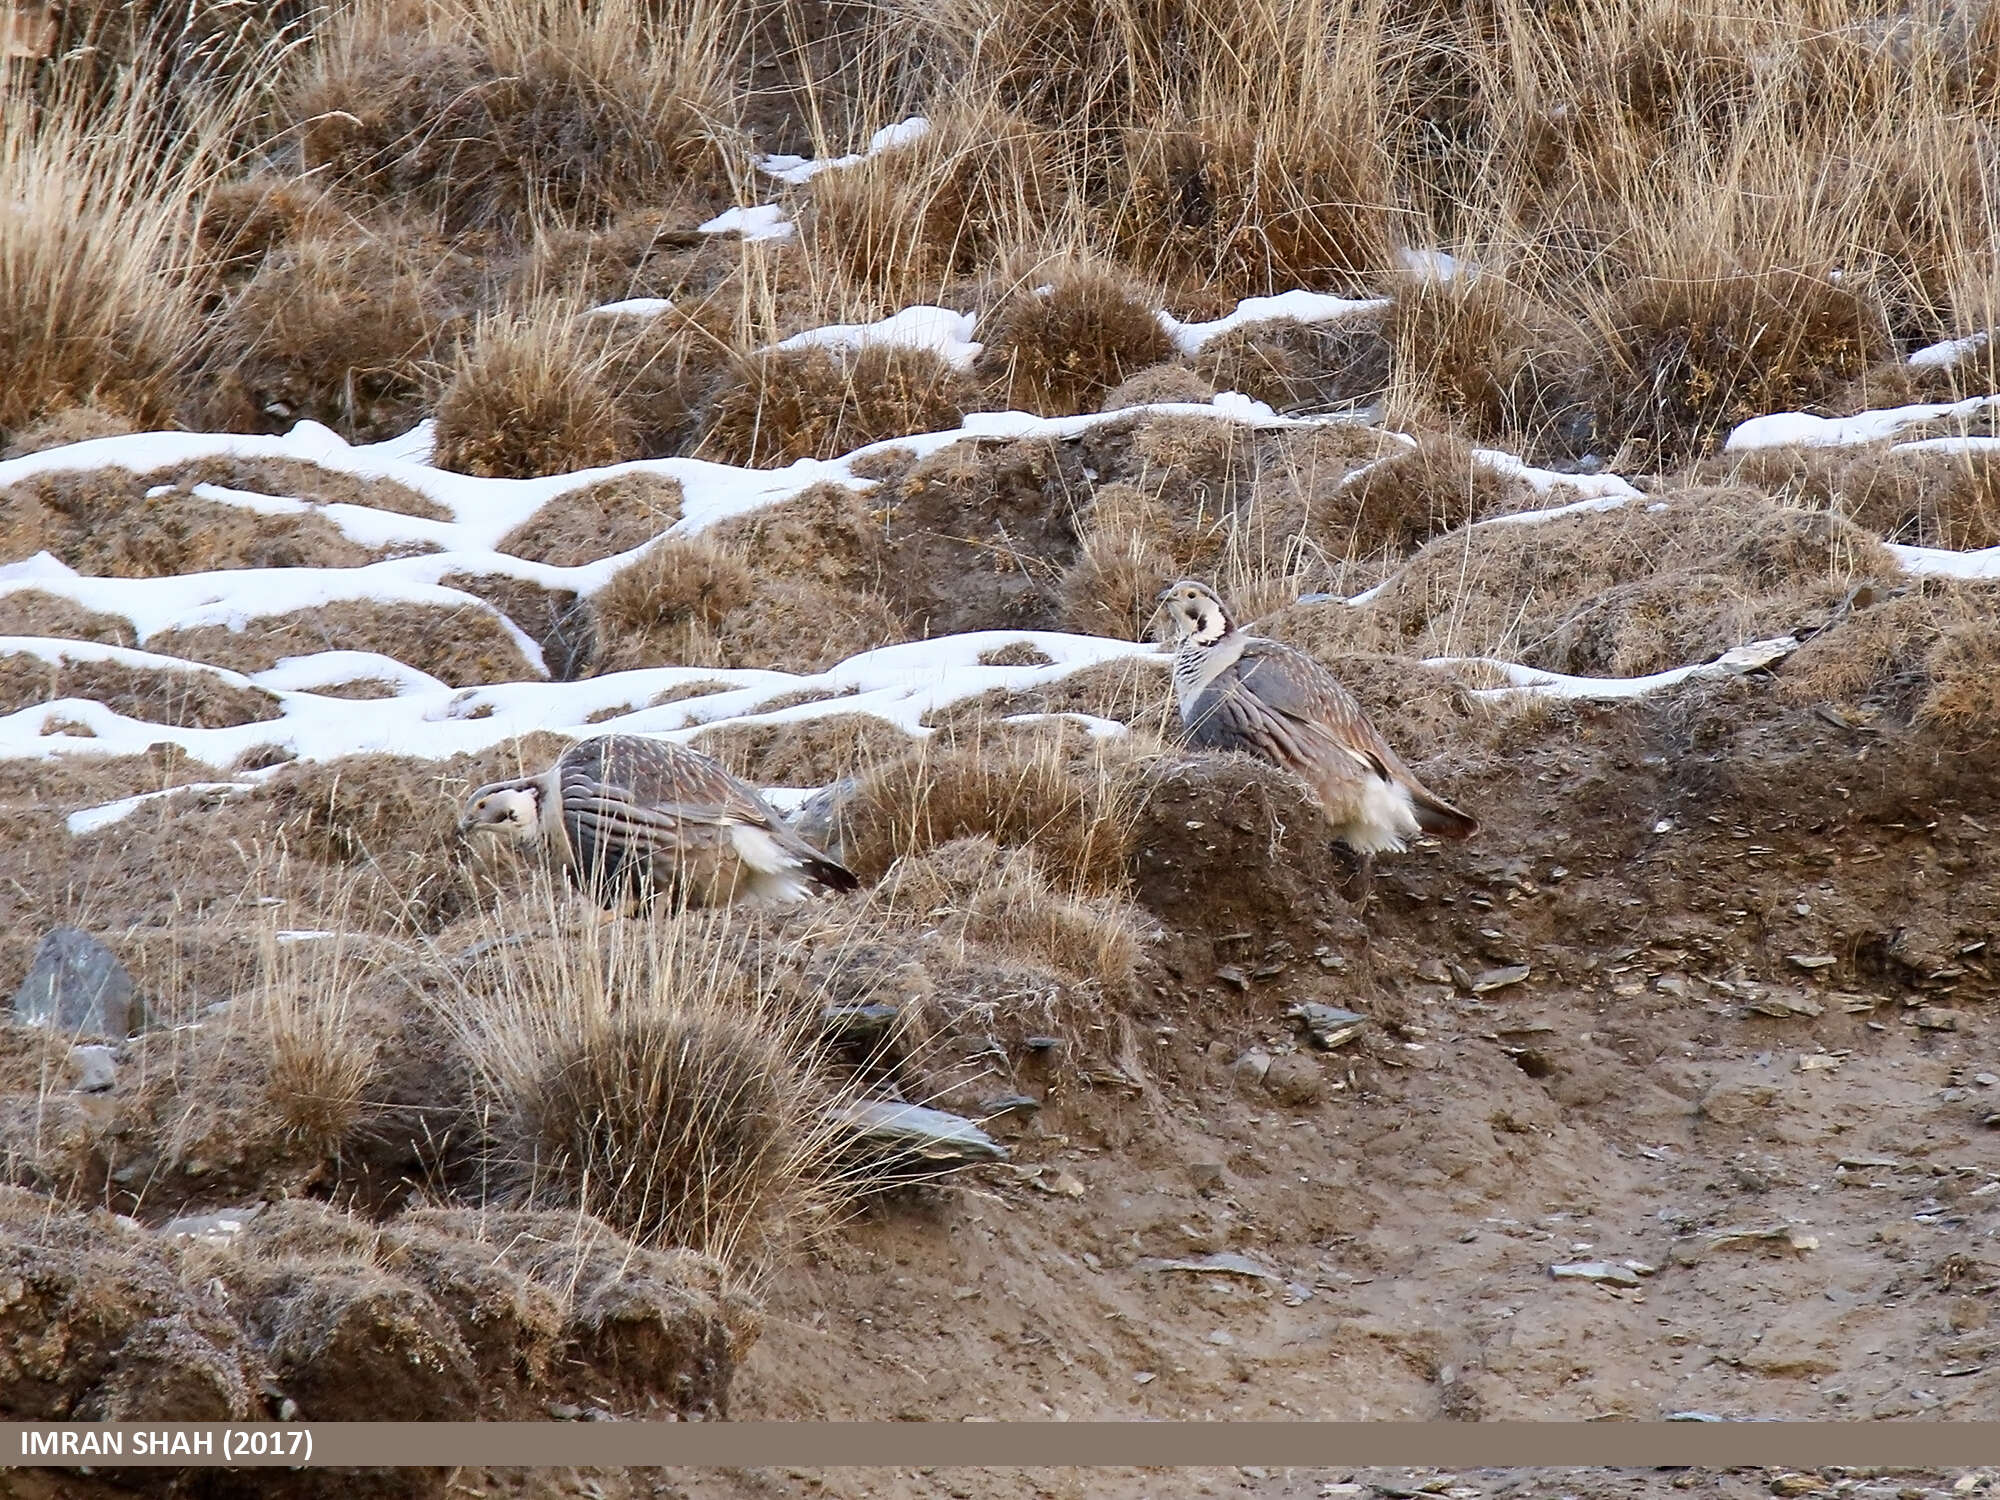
(1812, 962)
(1223, 1337)
(96, 1068)
(1498, 979)
(1985, 1080)
(1327, 1026)
(1294, 1080)
(1251, 1067)
(1144, 1377)
(1230, 975)
(77, 985)
(1936, 1018)
(1043, 1044)
(1431, 971)
(1797, 1484)
(1206, 1176)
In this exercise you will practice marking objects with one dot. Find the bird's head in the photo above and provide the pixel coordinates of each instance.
(506, 810)
(1197, 613)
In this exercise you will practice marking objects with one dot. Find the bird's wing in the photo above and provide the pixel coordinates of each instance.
(1292, 684)
(1229, 716)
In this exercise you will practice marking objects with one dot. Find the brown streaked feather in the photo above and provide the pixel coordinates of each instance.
(1278, 702)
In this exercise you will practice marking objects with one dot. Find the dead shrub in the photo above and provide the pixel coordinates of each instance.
(905, 221)
(1112, 587)
(978, 892)
(1072, 814)
(1247, 211)
(1963, 694)
(597, 520)
(784, 625)
(299, 480)
(342, 330)
(647, 252)
(782, 405)
(244, 220)
(501, 116)
(1058, 349)
(532, 394)
(164, 695)
(1693, 352)
(1404, 499)
(827, 532)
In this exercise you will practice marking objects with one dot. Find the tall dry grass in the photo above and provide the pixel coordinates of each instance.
(101, 172)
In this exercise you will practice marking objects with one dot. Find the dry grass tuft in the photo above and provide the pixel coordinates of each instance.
(1057, 349)
(652, 1075)
(805, 752)
(1301, 366)
(320, 1062)
(902, 224)
(683, 581)
(973, 890)
(498, 116)
(597, 520)
(1071, 811)
(342, 329)
(244, 220)
(184, 699)
(462, 645)
(1935, 498)
(533, 393)
(1922, 655)
(781, 405)
(71, 424)
(1485, 355)
(1159, 383)
(98, 301)
(104, 523)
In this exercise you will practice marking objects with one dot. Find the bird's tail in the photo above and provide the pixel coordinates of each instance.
(831, 874)
(1436, 816)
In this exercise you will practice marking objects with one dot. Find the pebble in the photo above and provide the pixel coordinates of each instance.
(1497, 979)
(1206, 1176)
(1936, 1018)
(1251, 1067)
(1797, 1484)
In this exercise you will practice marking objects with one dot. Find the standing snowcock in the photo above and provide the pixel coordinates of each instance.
(632, 819)
(1241, 692)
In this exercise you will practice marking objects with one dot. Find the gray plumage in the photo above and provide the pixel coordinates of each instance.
(1239, 692)
(631, 818)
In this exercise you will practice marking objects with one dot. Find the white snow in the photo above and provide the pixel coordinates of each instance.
(1295, 306)
(1938, 562)
(633, 307)
(940, 329)
(92, 819)
(1433, 265)
(1950, 352)
(1803, 430)
(798, 170)
(761, 221)
(1532, 682)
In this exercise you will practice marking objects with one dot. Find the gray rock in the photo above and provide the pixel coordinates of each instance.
(77, 985)
(96, 1068)
(1327, 1026)
(1250, 1068)
(1294, 1080)
(909, 1139)
(1207, 1176)
(819, 820)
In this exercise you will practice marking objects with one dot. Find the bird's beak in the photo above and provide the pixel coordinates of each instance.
(1161, 597)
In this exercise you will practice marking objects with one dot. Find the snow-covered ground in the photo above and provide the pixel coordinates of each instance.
(900, 684)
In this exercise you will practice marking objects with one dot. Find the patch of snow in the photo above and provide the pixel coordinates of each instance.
(1295, 306)
(762, 221)
(1799, 429)
(1939, 563)
(1532, 682)
(1589, 486)
(1950, 352)
(940, 329)
(333, 668)
(798, 170)
(1100, 728)
(632, 307)
(1433, 265)
(41, 565)
(90, 819)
